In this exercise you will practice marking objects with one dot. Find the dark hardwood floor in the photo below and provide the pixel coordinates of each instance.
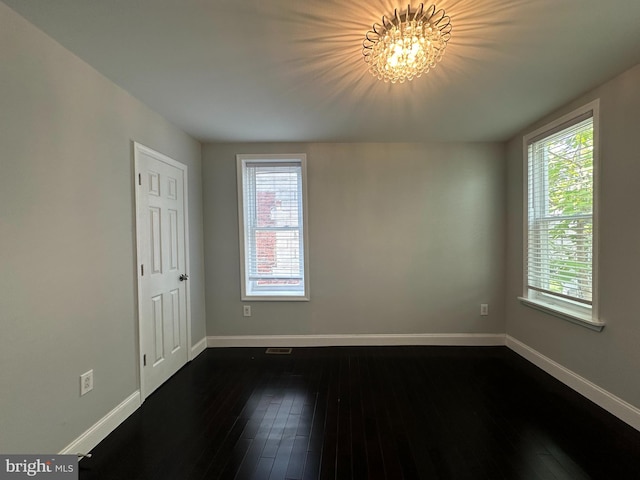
(366, 413)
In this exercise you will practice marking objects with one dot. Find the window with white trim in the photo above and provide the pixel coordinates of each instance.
(273, 231)
(560, 226)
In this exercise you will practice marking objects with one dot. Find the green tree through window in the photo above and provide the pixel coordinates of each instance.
(570, 178)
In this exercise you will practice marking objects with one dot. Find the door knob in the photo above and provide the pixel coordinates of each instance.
(183, 277)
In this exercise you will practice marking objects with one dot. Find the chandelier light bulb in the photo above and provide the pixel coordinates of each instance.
(408, 44)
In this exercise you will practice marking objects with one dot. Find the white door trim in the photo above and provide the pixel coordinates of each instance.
(139, 149)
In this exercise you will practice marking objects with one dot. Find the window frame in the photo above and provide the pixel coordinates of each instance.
(584, 315)
(279, 294)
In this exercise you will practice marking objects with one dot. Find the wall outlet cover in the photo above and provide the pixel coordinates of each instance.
(86, 382)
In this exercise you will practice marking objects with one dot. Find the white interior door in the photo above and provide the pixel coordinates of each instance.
(162, 267)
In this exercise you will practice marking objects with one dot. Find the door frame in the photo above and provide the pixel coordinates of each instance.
(139, 149)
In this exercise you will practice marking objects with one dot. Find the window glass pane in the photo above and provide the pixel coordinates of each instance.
(273, 227)
(278, 253)
(560, 206)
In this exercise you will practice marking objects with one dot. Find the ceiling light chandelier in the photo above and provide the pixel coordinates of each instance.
(408, 44)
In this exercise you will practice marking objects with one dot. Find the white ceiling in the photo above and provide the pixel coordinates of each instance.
(284, 70)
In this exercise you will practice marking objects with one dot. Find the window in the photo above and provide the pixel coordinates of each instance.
(560, 225)
(273, 229)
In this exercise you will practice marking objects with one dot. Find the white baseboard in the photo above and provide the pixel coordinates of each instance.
(351, 340)
(107, 424)
(614, 405)
(198, 348)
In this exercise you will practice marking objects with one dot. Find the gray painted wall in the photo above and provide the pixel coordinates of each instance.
(67, 289)
(404, 238)
(611, 358)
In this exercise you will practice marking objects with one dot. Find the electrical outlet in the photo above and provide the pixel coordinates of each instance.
(246, 310)
(86, 382)
(484, 309)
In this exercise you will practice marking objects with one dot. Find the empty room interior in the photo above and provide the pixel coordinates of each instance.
(454, 222)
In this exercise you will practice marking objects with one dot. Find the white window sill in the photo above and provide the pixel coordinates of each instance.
(274, 298)
(577, 318)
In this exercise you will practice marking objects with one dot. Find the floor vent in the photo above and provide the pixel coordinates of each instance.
(278, 351)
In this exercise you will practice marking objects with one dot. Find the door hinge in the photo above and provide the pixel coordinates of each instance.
(142, 270)
(139, 179)
(144, 360)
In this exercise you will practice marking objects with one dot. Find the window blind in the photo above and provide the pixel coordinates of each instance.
(274, 247)
(560, 211)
